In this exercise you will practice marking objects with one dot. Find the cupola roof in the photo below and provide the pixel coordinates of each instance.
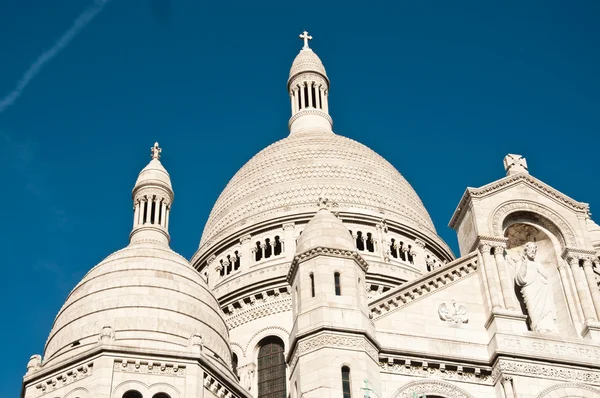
(154, 173)
(306, 60)
(325, 230)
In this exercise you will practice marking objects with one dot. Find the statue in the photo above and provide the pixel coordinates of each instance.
(531, 277)
(34, 364)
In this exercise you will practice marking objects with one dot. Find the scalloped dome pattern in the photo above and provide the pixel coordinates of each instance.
(290, 175)
(149, 295)
(307, 61)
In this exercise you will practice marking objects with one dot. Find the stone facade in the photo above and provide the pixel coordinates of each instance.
(321, 275)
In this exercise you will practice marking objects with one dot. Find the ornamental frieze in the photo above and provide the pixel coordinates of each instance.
(65, 378)
(537, 370)
(149, 367)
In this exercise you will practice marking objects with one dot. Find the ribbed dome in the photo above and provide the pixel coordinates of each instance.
(307, 61)
(290, 175)
(325, 230)
(154, 173)
(150, 297)
(594, 230)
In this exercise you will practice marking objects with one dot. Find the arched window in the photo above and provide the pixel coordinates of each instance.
(346, 382)
(132, 394)
(271, 369)
(161, 395)
(312, 284)
(338, 287)
(360, 243)
(370, 245)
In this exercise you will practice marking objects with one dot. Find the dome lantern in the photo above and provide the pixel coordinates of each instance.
(152, 197)
(308, 86)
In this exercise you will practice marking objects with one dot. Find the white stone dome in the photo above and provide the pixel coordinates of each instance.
(307, 61)
(151, 298)
(153, 174)
(594, 230)
(289, 176)
(325, 230)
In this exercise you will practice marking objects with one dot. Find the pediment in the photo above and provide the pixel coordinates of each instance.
(511, 182)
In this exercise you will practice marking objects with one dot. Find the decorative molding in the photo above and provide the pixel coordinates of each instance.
(431, 387)
(423, 287)
(149, 367)
(310, 111)
(213, 385)
(440, 371)
(284, 330)
(325, 339)
(567, 387)
(544, 371)
(500, 213)
(325, 251)
(64, 378)
(270, 307)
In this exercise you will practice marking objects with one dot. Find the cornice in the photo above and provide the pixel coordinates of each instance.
(305, 112)
(509, 181)
(325, 251)
(424, 286)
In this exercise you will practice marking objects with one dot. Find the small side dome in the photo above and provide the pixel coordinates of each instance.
(154, 173)
(325, 230)
(307, 61)
(594, 230)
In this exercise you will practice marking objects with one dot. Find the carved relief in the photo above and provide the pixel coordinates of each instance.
(545, 371)
(149, 367)
(334, 340)
(422, 388)
(65, 378)
(453, 313)
(440, 372)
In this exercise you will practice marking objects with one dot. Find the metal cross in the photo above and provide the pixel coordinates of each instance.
(306, 38)
(155, 151)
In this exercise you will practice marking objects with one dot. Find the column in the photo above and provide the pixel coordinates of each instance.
(582, 290)
(136, 213)
(302, 99)
(508, 387)
(245, 251)
(566, 281)
(293, 100)
(491, 276)
(163, 212)
(311, 100)
(318, 97)
(289, 240)
(593, 286)
(155, 204)
(419, 256)
(506, 282)
(167, 217)
(325, 102)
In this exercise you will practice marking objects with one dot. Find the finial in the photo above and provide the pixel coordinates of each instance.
(155, 151)
(306, 38)
(514, 164)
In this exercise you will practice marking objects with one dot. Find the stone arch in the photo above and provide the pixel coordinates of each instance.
(278, 331)
(570, 390)
(238, 349)
(79, 392)
(431, 387)
(130, 385)
(165, 388)
(547, 217)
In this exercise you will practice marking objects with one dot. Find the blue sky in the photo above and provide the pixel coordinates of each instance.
(443, 90)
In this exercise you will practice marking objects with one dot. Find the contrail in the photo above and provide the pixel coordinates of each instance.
(81, 22)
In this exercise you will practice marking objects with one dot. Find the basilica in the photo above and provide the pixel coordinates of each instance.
(320, 275)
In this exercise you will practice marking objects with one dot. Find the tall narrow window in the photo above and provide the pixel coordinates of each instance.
(306, 99)
(234, 365)
(271, 369)
(153, 213)
(346, 382)
(313, 96)
(312, 284)
(338, 287)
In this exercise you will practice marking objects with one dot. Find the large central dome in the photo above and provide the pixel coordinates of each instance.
(294, 172)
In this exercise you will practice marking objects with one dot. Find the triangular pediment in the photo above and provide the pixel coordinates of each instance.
(510, 182)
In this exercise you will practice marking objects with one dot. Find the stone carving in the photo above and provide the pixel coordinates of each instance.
(67, 377)
(107, 335)
(34, 364)
(537, 293)
(568, 388)
(425, 388)
(157, 368)
(247, 376)
(453, 313)
(514, 164)
(333, 340)
(155, 151)
(409, 368)
(545, 371)
(424, 286)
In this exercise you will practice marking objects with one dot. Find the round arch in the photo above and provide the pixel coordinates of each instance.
(570, 390)
(130, 385)
(546, 217)
(79, 392)
(253, 345)
(431, 387)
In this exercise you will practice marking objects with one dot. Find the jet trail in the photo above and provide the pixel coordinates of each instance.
(78, 25)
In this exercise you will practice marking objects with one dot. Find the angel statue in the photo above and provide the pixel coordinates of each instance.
(453, 314)
(537, 293)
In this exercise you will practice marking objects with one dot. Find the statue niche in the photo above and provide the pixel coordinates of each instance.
(532, 258)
